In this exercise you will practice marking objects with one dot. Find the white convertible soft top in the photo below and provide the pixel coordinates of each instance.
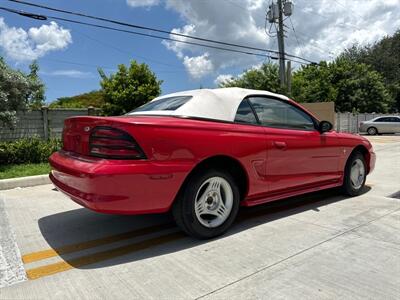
(219, 104)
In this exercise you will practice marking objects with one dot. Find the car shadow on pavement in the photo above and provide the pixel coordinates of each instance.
(87, 240)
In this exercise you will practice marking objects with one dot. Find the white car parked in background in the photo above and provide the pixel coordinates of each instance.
(387, 124)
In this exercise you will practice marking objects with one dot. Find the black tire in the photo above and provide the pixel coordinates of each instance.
(372, 131)
(348, 187)
(184, 207)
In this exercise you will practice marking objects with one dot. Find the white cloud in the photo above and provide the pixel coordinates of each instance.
(333, 26)
(69, 73)
(198, 66)
(218, 20)
(222, 78)
(176, 46)
(324, 28)
(227, 77)
(142, 3)
(22, 45)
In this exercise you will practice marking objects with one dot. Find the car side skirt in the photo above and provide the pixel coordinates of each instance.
(290, 193)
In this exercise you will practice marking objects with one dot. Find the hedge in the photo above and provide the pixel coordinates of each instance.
(28, 150)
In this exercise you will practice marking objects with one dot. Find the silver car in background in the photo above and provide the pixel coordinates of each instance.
(387, 124)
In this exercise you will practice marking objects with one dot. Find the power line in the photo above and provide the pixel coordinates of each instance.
(297, 61)
(295, 34)
(126, 51)
(153, 29)
(321, 50)
(177, 70)
(301, 44)
(139, 26)
(75, 63)
(303, 40)
(64, 61)
(292, 60)
(31, 15)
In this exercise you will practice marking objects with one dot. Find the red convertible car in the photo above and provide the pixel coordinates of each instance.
(204, 153)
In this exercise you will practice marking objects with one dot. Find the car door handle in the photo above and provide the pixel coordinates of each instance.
(280, 145)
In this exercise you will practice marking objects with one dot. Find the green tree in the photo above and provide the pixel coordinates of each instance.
(128, 88)
(93, 98)
(359, 88)
(37, 97)
(14, 93)
(264, 78)
(18, 91)
(352, 86)
(383, 57)
(312, 83)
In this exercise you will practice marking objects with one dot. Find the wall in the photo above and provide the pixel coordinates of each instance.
(29, 124)
(324, 111)
(45, 123)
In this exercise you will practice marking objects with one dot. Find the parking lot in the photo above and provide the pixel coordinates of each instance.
(321, 245)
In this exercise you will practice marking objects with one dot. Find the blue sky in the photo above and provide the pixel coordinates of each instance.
(57, 47)
(99, 47)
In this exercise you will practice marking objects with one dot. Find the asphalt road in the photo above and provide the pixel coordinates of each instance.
(320, 245)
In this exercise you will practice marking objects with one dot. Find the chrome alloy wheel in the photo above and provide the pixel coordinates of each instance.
(372, 131)
(357, 174)
(213, 202)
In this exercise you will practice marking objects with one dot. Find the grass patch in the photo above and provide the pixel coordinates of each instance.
(13, 171)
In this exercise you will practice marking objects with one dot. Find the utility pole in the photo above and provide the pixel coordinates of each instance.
(289, 76)
(281, 45)
(275, 16)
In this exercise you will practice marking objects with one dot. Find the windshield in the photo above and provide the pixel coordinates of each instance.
(170, 103)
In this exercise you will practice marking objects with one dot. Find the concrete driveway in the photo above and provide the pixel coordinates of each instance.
(321, 245)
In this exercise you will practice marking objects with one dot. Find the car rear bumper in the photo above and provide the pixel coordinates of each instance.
(117, 187)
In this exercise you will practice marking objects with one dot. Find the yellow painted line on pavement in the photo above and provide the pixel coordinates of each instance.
(97, 257)
(40, 255)
(54, 268)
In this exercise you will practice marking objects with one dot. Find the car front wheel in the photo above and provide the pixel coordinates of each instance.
(372, 131)
(208, 204)
(354, 175)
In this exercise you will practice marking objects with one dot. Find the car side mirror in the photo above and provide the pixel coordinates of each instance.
(325, 126)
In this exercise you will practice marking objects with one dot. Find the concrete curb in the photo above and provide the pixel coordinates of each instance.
(6, 184)
(12, 269)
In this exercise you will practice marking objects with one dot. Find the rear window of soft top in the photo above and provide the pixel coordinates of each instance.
(169, 103)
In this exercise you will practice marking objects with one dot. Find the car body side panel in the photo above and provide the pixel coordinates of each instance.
(308, 158)
(396, 126)
(194, 141)
(348, 142)
(174, 147)
(384, 127)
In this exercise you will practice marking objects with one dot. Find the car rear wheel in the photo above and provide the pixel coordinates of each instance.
(372, 131)
(355, 175)
(208, 204)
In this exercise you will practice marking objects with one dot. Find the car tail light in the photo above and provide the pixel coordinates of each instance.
(112, 143)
